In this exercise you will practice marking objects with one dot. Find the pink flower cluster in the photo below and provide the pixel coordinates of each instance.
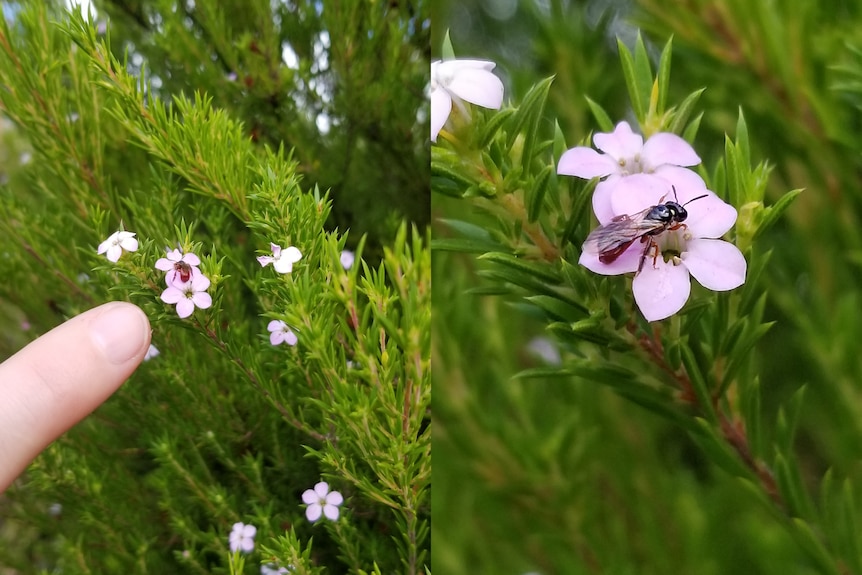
(186, 284)
(637, 177)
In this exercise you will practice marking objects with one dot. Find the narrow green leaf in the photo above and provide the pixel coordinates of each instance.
(643, 72)
(464, 245)
(527, 118)
(683, 112)
(773, 212)
(690, 132)
(558, 309)
(790, 485)
(447, 51)
(718, 451)
(542, 271)
(544, 372)
(545, 179)
(492, 125)
(698, 383)
(734, 178)
(630, 75)
(663, 75)
(809, 543)
(602, 119)
(742, 146)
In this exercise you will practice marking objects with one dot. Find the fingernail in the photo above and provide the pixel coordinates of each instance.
(120, 332)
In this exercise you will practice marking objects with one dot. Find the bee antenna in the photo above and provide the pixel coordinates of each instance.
(693, 199)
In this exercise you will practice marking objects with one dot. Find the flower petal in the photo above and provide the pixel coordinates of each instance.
(309, 496)
(264, 260)
(289, 337)
(164, 264)
(715, 264)
(637, 192)
(331, 512)
(200, 282)
(334, 498)
(441, 106)
(172, 295)
(477, 86)
(103, 247)
(185, 307)
(602, 206)
(292, 254)
(321, 488)
(687, 183)
(191, 259)
(313, 511)
(276, 338)
(283, 266)
(276, 325)
(202, 299)
(114, 253)
(129, 244)
(249, 531)
(628, 261)
(710, 217)
(586, 163)
(661, 291)
(667, 148)
(621, 144)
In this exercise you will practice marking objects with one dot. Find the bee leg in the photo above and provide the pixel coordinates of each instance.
(649, 244)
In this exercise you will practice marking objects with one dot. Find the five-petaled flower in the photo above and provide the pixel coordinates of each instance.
(321, 500)
(280, 333)
(117, 242)
(663, 157)
(190, 295)
(281, 260)
(242, 538)
(456, 81)
(663, 286)
(181, 268)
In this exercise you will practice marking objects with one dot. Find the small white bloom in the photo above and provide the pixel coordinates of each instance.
(346, 259)
(321, 500)
(280, 333)
(274, 569)
(152, 352)
(242, 538)
(455, 80)
(281, 260)
(117, 242)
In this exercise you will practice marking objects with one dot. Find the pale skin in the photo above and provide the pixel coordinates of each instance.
(61, 377)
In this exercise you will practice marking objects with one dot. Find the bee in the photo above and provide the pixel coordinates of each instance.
(184, 270)
(611, 240)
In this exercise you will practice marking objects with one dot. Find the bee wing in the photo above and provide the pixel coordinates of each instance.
(611, 240)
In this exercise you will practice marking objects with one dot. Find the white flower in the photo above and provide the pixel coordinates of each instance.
(152, 352)
(455, 80)
(242, 538)
(117, 242)
(181, 268)
(280, 333)
(274, 569)
(192, 294)
(346, 259)
(282, 261)
(322, 500)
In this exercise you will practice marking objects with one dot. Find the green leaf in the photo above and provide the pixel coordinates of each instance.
(492, 125)
(742, 146)
(792, 491)
(663, 76)
(543, 272)
(602, 119)
(773, 212)
(682, 112)
(630, 74)
(809, 543)
(446, 50)
(558, 309)
(698, 383)
(718, 451)
(545, 179)
(527, 118)
(464, 245)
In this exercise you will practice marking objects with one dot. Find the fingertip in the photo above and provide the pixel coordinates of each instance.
(121, 332)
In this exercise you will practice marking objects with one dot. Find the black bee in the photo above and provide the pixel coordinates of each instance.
(611, 240)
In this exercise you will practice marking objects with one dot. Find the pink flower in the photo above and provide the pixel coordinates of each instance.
(462, 80)
(663, 286)
(192, 294)
(346, 259)
(321, 500)
(242, 538)
(625, 154)
(115, 244)
(282, 261)
(181, 268)
(280, 333)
